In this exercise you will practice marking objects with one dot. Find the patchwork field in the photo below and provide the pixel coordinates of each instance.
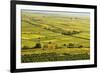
(54, 36)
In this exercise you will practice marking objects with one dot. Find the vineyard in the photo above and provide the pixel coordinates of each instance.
(33, 55)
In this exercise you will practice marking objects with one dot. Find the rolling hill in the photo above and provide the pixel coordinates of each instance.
(63, 30)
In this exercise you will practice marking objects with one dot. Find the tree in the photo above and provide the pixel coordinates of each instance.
(25, 47)
(64, 44)
(80, 46)
(38, 45)
(70, 45)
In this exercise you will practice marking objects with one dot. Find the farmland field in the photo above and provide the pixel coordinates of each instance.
(54, 36)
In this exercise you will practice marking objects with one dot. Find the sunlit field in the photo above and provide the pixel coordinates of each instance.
(54, 36)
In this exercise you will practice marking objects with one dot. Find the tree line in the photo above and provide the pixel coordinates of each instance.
(51, 45)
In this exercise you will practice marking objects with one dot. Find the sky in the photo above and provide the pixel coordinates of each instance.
(83, 14)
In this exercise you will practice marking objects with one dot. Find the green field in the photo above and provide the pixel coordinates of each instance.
(54, 36)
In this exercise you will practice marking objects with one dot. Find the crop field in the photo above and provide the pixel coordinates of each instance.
(54, 36)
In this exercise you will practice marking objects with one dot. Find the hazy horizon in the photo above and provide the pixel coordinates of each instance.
(83, 14)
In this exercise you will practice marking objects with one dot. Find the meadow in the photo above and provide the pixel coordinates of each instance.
(51, 36)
